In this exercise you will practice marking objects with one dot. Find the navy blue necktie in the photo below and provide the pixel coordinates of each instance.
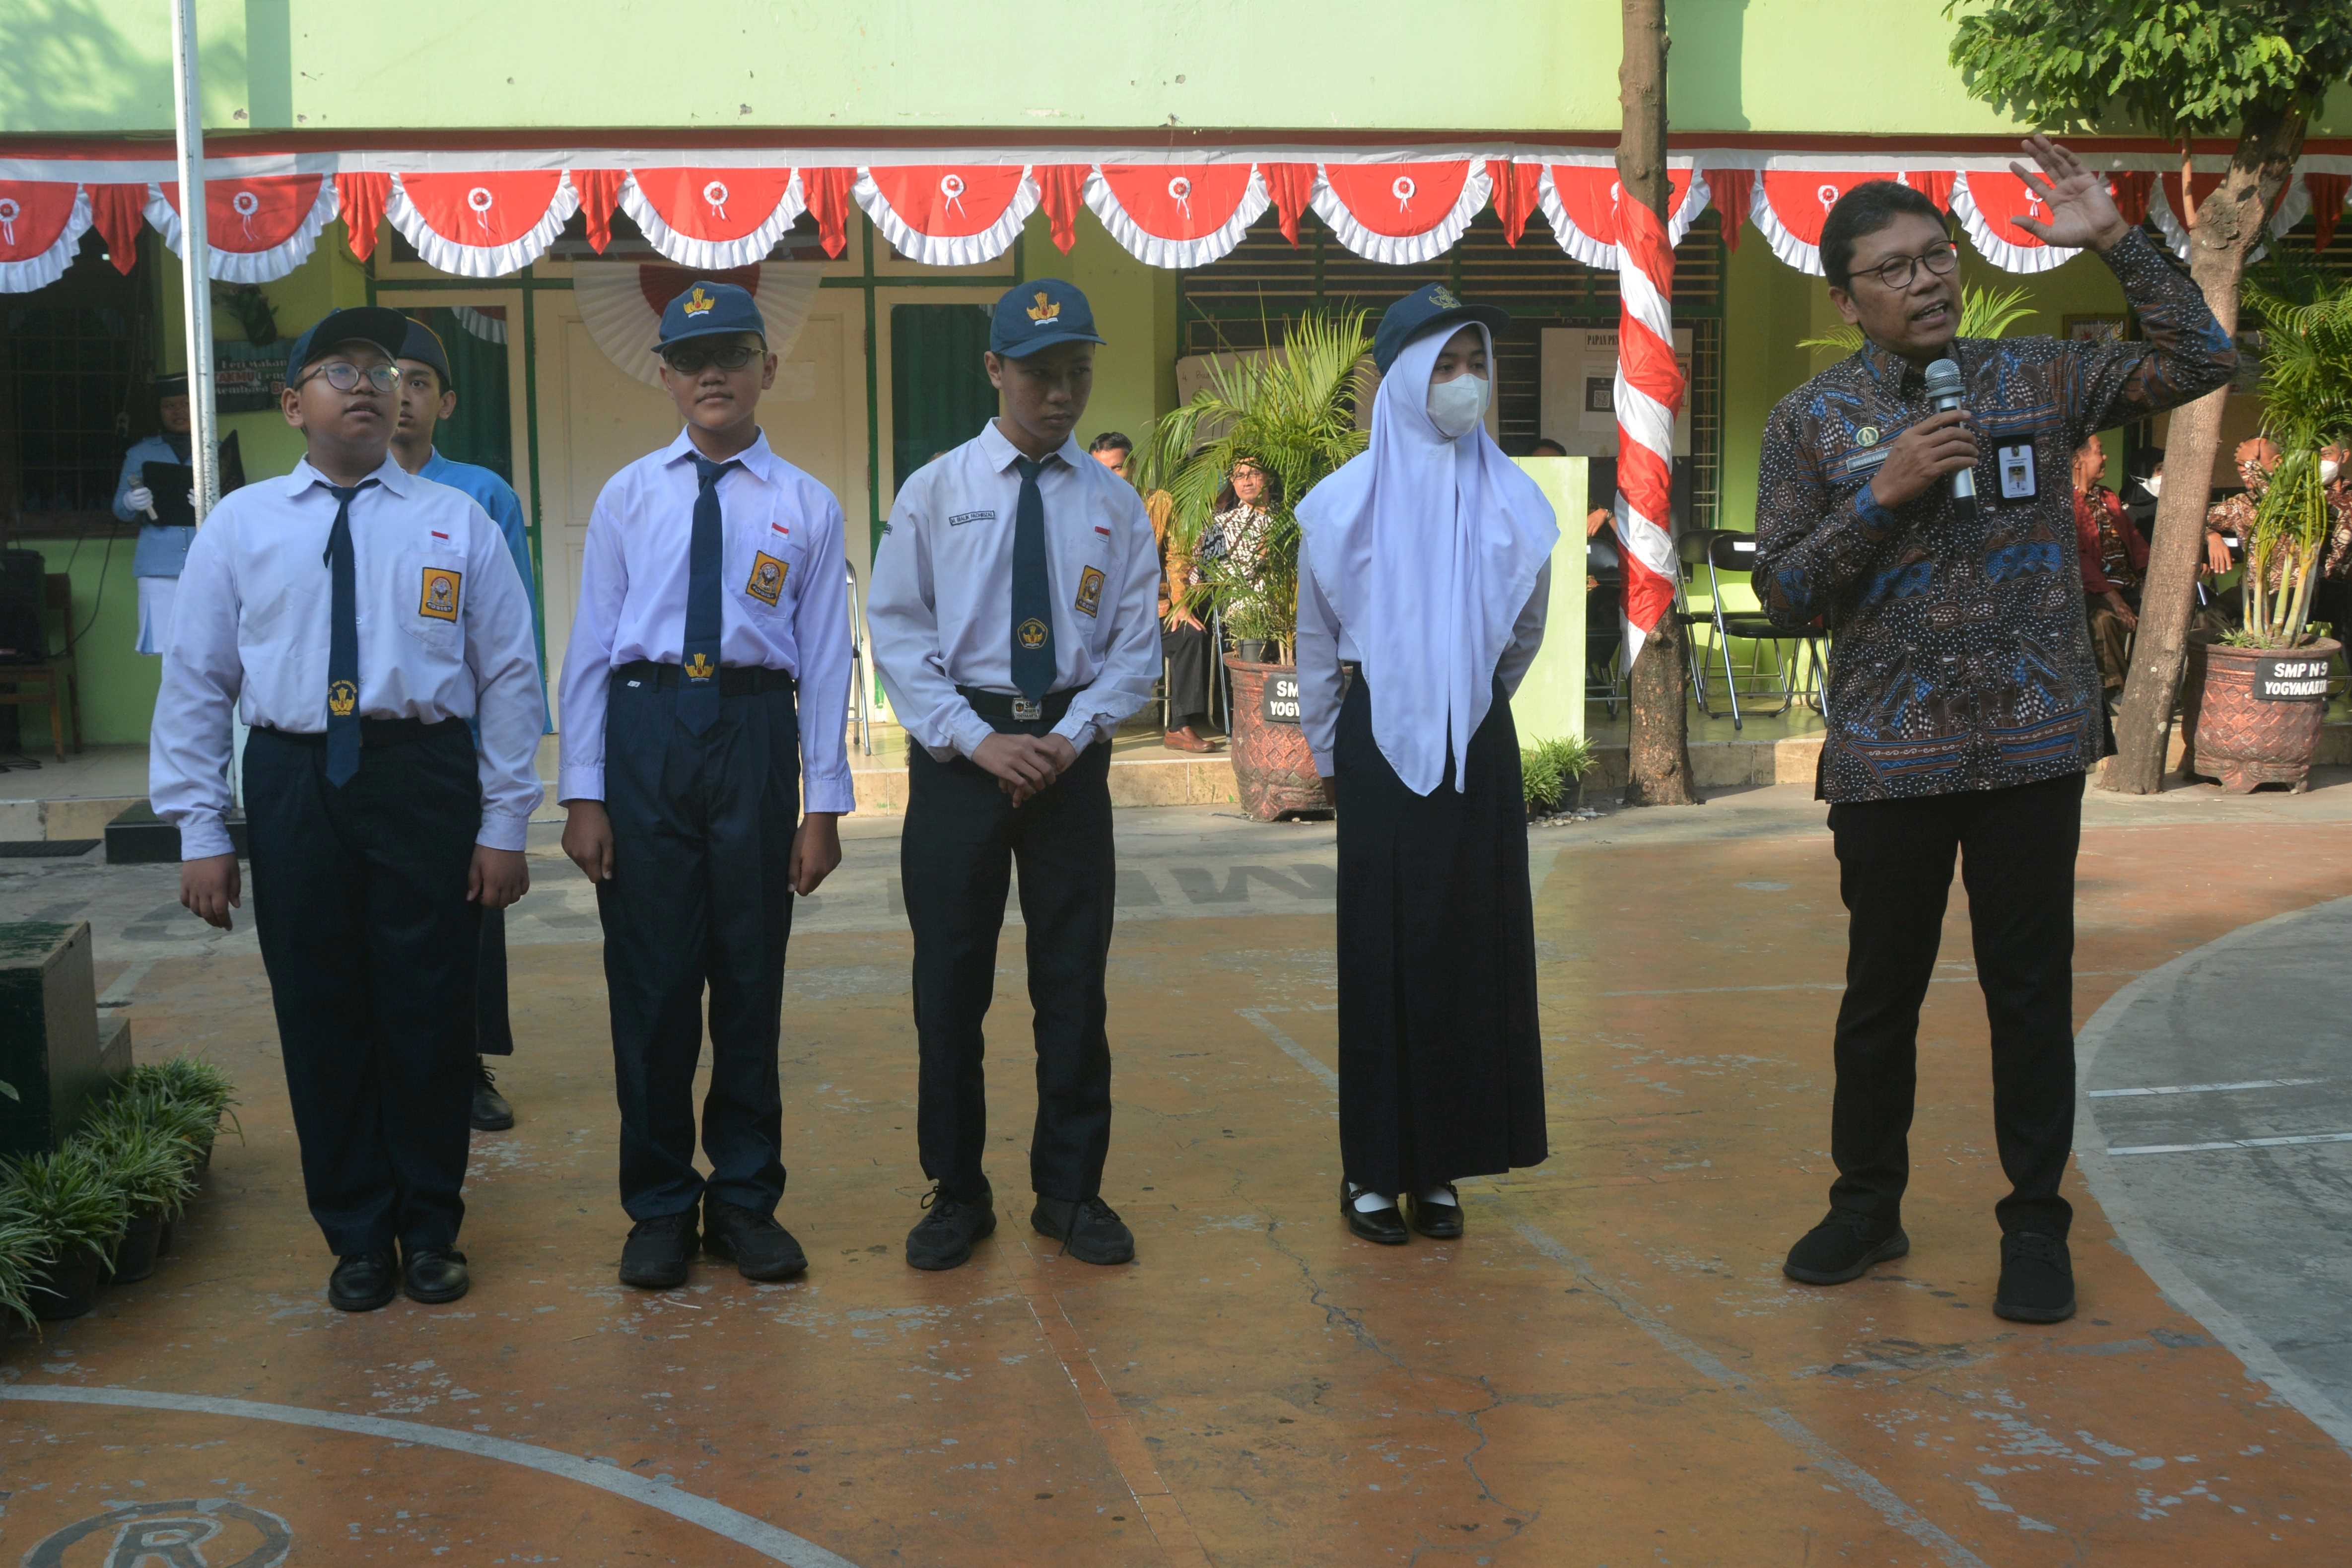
(698, 694)
(1033, 591)
(342, 641)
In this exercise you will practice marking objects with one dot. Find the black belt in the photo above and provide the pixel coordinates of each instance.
(376, 731)
(734, 680)
(1005, 707)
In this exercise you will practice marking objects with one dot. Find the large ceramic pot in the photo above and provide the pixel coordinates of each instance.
(1272, 766)
(2232, 734)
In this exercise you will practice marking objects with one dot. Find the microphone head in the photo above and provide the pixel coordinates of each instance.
(1943, 378)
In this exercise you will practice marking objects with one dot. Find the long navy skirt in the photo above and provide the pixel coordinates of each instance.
(1440, 1050)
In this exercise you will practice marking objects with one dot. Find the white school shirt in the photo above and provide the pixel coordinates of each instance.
(783, 603)
(1324, 645)
(445, 632)
(941, 607)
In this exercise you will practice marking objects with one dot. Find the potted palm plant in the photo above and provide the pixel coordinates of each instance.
(2253, 699)
(1291, 412)
(81, 1212)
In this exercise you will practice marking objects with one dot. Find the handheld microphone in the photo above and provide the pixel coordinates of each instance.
(1944, 390)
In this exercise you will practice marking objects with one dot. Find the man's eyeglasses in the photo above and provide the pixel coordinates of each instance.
(345, 376)
(692, 358)
(1897, 272)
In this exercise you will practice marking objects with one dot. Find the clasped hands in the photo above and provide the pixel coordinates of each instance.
(1025, 765)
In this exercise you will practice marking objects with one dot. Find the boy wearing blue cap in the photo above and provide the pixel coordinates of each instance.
(710, 593)
(428, 396)
(357, 617)
(1014, 625)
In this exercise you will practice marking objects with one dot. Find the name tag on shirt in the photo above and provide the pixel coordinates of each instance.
(961, 518)
(2017, 472)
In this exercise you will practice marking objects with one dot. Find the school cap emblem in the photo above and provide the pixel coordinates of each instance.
(699, 303)
(698, 667)
(1046, 309)
(1445, 299)
(342, 697)
(1032, 633)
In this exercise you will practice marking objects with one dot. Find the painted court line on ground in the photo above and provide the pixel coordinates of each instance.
(776, 1545)
(2203, 1089)
(2285, 1141)
(1853, 1477)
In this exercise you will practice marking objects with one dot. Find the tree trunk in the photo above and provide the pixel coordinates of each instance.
(2227, 225)
(1658, 765)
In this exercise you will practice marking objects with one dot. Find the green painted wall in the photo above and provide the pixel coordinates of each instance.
(116, 686)
(1540, 64)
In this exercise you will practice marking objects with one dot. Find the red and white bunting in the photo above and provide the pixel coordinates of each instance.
(1580, 200)
(1791, 205)
(712, 219)
(1988, 203)
(1177, 214)
(483, 225)
(256, 230)
(1402, 214)
(948, 216)
(41, 225)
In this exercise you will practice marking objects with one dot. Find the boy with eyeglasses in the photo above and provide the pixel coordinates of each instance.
(710, 596)
(357, 616)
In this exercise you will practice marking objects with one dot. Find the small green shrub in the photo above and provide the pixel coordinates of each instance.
(24, 1253)
(70, 1198)
(150, 1164)
(1548, 771)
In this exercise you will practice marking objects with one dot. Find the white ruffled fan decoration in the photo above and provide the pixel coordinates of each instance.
(624, 322)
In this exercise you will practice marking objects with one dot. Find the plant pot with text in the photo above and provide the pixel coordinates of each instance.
(1273, 768)
(2251, 716)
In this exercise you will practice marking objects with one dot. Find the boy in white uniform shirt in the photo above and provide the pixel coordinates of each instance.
(357, 616)
(1014, 617)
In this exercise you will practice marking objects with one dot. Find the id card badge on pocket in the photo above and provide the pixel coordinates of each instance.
(2017, 472)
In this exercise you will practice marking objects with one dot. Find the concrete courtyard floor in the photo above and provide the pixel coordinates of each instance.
(1609, 1369)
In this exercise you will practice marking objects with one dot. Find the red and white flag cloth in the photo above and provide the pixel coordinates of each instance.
(708, 220)
(482, 225)
(41, 225)
(256, 229)
(1402, 214)
(948, 214)
(1580, 200)
(1649, 395)
(1177, 214)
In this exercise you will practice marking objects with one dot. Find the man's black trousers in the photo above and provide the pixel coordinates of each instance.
(700, 897)
(2016, 848)
(964, 835)
(359, 898)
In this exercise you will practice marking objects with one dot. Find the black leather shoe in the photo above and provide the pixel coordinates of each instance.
(2037, 1278)
(655, 1255)
(1438, 1221)
(757, 1246)
(1385, 1225)
(490, 1112)
(1842, 1246)
(363, 1282)
(943, 1237)
(1088, 1229)
(433, 1275)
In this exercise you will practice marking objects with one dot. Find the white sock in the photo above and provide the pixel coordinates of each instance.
(1442, 1193)
(1370, 1202)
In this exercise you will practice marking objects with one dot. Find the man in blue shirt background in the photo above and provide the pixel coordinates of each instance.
(426, 398)
(162, 548)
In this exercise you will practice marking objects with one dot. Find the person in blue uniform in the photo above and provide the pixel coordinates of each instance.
(1014, 623)
(708, 677)
(428, 396)
(357, 618)
(162, 548)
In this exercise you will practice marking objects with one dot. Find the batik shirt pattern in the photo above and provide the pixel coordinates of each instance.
(1961, 659)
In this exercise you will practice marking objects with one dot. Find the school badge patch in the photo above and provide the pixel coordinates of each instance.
(342, 697)
(1032, 633)
(437, 599)
(1090, 584)
(768, 576)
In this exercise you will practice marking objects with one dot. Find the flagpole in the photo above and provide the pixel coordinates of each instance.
(195, 259)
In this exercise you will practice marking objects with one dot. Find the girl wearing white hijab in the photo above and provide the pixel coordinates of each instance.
(1424, 571)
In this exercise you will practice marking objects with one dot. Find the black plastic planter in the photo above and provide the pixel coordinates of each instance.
(68, 1290)
(134, 1259)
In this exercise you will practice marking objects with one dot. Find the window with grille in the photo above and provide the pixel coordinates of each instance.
(75, 361)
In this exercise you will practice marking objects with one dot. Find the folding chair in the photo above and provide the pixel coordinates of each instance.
(861, 668)
(1722, 550)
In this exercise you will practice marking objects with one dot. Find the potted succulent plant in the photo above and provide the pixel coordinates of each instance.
(2253, 699)
(79, 1211)
(1291, 412)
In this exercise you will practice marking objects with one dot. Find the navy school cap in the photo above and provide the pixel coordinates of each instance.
(385, 327)
(424, 346)
(707, 310)
(1423, 310)
(173, 383)
(1040, 315)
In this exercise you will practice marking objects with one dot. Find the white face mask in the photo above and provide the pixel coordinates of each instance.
(1456, 406)
(2153, 484)
(2329, 469)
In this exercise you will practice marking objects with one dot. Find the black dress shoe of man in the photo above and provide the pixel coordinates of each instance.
(655, 1255)
(757, 1246)
(1088, 1229)
(2037, 1278)
(433, 1275)
(943, 1237)
(1385, 1225)
(363, 1282)
(490, 1112)
(1842, 1246)
(1438, 1221)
